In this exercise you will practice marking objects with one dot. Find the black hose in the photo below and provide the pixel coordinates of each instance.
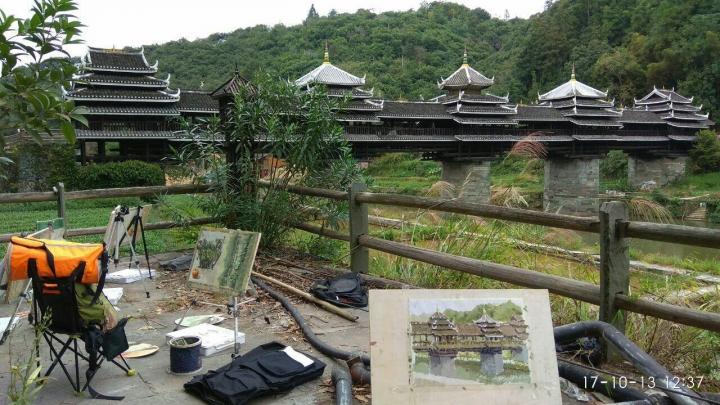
(321, 346)
(589, 380)
(343, 385)
(630, 351)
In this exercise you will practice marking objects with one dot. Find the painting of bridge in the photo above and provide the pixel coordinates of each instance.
(461, 341)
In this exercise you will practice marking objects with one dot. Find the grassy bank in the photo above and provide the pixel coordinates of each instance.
(94, 213)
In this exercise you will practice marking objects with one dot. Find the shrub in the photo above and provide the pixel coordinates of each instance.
(131, 173)
(38, 167)
(614, 166)
(403, 165)
(705, 154)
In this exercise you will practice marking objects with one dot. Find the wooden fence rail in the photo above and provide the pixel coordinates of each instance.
(612, 225)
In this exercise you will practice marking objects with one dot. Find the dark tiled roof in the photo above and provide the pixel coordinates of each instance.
(98, 134)
(485, 120)
(608, 137)
(581, 102)
(640, 117)
(513, 138)
(486, 98)
(231, 86)
(118, 60)
(399, 138)
(352, 93)
(482, 109)
(675, 97)
(590, 112)
(690, 124)
(683, 116)
(644, 138)
(349, 117)
(538, 113)
(362, 105)
(595, 122)
(109, 94)
(415, 110)
(197, 101)
(663, 95)
(105, 79)
(683, 138)
(130, 110)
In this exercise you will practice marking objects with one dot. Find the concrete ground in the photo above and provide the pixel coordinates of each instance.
(154, 317)
(153, 383)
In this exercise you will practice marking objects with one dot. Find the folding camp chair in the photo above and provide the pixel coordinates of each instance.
(62, 274)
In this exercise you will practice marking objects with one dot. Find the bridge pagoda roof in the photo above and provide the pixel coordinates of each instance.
(465, 77)
(118, 61)
(121, 80)
(329, 75)
(124, 95)
(572, 89)
(674, 109)
(197, 101)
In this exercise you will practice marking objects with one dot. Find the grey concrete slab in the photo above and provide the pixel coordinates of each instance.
(153, 384)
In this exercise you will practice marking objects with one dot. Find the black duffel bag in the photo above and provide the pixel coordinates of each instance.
(345, 291)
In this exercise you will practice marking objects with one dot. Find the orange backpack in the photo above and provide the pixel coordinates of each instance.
(58, 259)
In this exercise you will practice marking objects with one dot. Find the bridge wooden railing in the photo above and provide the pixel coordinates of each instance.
(612, 225)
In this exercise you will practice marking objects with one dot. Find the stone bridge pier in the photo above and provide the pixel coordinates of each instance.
(471, 180)
(491, 361)
(572, 185)
(661, 170)
(442, 363)
(520, 354)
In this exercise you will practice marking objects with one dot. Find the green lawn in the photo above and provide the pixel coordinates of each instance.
(94, 213)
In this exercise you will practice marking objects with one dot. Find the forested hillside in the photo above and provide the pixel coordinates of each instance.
(626, 46)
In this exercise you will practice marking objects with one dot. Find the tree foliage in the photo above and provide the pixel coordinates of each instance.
(308, 148)
(705, 154)
(626, 46)
(34, 66)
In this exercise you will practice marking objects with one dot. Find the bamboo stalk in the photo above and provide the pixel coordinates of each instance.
(327, 306)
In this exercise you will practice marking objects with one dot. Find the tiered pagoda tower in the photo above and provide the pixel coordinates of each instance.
(582, 105)
(126, 104)
(675, 110)
(467, 101)
(356, 105)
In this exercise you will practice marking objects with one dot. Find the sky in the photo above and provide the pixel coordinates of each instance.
(120, 23)
(429, 306)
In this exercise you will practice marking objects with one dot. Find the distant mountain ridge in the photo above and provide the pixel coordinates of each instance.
(626, 46)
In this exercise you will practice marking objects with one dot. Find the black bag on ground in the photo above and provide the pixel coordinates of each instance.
(345, 291)
(264, 370)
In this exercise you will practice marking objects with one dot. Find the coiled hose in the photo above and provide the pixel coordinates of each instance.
(359, 363)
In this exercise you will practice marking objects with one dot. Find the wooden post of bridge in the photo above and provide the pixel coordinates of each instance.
(614, 264)
(59, 190)
(359, 255)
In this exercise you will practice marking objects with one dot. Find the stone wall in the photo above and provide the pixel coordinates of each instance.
(471, 180)
(572, 185)
(662, 170)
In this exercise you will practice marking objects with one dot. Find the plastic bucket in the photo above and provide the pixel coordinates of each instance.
(185, 355)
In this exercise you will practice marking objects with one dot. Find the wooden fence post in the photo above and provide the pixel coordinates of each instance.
(59, 190)
(614, 262)
(359, 255)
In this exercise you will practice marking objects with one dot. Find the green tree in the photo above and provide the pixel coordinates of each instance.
(296, 132)
(30, 98)
(705, 154)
